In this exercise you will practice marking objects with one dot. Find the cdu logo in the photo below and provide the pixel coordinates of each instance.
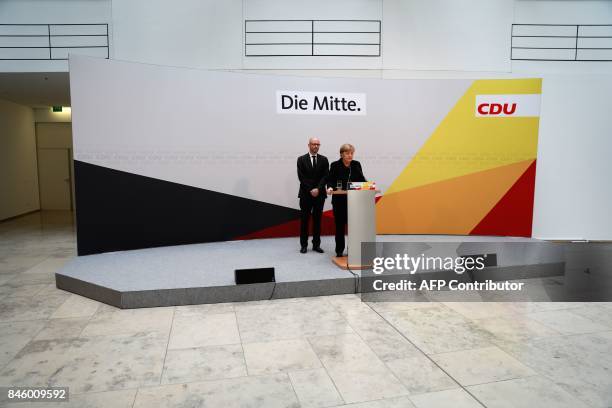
(521, 105)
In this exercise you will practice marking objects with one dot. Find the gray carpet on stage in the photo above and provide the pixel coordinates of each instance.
(204, 273)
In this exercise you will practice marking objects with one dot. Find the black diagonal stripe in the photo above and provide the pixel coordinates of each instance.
(117, 210)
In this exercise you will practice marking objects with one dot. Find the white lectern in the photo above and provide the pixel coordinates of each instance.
(361, 225)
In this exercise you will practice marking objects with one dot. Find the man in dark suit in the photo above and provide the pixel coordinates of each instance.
(312, 169)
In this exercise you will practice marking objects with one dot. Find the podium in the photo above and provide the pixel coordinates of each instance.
(361, 226)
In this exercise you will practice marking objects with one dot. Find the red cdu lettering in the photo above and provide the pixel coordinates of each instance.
(482, 107)
(496, 109)
(509, 110)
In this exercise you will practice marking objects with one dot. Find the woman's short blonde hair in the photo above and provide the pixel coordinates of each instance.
(347, 147)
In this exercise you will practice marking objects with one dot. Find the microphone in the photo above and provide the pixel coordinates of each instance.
(349, 177)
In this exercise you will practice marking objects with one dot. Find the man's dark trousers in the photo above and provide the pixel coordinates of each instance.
(311, 205)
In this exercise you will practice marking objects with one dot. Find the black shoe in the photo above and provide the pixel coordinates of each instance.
(318, 249)
(303, 250)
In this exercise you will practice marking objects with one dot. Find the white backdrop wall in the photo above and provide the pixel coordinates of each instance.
(573, 194)
(206, 147)
(220, 141)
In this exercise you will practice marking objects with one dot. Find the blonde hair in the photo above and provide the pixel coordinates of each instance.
(347, 147)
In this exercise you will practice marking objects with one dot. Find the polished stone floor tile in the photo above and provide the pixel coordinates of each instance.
(514, 328)
(279, 303)
(15, 335)
(353, 309)
(76, 306)
(587, 374)
(204, 309)
(51, 291)
(315, 388)
(420, 375)
(102, 363)
(597, 313)
(290, 320)
(48, 266)
(110, 320)
(279, 355)
(13, 290)
(535, 307)
(437, 329)
(477, 366)
(480, 310)
(5, 278)
(203, 363)
(203, 329)
(20, 263)
(62, 328)
(398, 402)
(386, 341)
(269, 391)
(389, 307)
(26, 278)
(30, 308)
(457, 398)
(566, 322)
(589, 378)
(41, 273)
(357, 372)
(524, 392)
(579, 364)
(346, 303)
(454, 296)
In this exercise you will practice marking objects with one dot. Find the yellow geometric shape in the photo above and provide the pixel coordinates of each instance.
(464, 143)
(453, 206)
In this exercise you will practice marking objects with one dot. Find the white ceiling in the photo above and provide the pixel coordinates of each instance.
(36, 89)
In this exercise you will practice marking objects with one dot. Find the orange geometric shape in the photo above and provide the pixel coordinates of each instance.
(513, 214)
(452, 206)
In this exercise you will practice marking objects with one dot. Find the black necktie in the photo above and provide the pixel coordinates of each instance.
(314, 162)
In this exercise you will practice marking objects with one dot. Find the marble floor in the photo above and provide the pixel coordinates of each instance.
(333, 351)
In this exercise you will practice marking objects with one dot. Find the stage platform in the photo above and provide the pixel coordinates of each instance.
(204, 273)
